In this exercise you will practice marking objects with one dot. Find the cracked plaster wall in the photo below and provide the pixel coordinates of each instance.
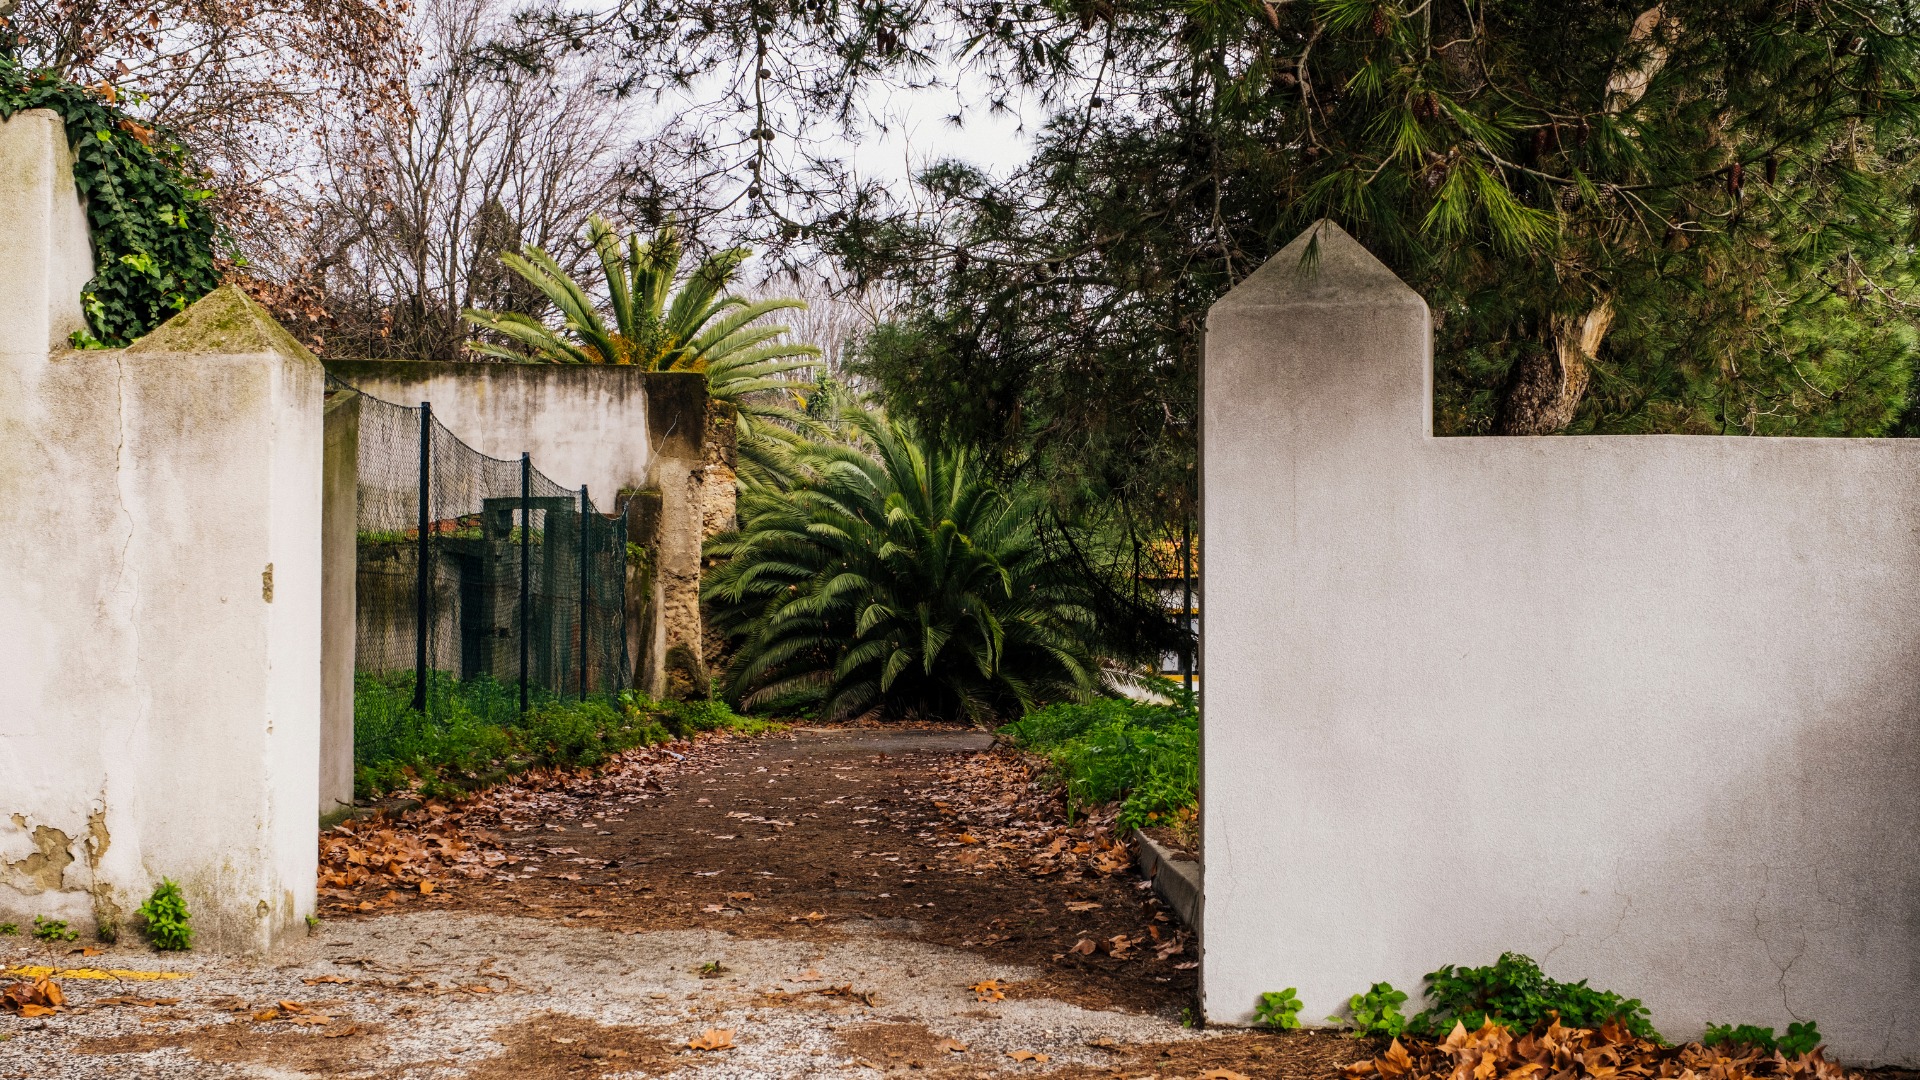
(1645, 708)
(159, 706)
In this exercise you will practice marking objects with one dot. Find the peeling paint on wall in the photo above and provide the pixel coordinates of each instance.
(106, 911)
(43, 870)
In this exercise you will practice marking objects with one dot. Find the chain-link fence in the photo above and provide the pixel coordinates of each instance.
(483, 586)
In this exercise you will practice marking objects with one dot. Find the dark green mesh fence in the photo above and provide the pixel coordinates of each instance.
(483, 586)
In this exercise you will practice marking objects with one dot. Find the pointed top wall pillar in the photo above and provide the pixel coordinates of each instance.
(46, 257)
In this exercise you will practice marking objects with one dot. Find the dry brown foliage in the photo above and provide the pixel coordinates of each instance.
(38, 997)
(1562, 1053)
(426, 851)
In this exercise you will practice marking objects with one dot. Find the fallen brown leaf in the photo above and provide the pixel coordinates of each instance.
(1029, 1055)
(39, 997)
(988, 990)
(712, 1039)
(951, 1046)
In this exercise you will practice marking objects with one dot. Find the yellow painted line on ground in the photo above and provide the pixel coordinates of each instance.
(31, 972)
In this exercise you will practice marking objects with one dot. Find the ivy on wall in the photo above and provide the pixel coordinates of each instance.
(152, 222)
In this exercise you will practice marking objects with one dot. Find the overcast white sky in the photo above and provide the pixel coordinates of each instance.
(919, 132)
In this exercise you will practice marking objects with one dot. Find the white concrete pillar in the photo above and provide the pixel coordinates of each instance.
(160, 610)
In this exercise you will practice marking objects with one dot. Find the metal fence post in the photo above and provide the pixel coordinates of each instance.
(526, 569)
(586, 508)
(1186, 604)
(423, 559)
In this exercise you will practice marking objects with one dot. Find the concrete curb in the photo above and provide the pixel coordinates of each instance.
(1176, 881)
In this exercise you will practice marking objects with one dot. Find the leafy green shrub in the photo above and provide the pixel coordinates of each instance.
(1147, 755)
(1514, 992)
(477, 736)
(1376, 1012)
(1278, 1009)
(166, 915)
(45, 929)
(8, 929)
(151, 220)
(1799, 1039)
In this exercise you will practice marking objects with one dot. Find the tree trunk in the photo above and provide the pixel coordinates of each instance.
(1546, 387)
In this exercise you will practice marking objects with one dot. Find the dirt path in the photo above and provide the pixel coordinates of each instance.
(820, 895)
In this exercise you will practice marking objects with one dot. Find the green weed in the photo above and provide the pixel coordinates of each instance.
(1278, 1009)
(1376, 1012)
(45, 929)
(1799, 1039)
(8, 929)
(166, 915)
(1513, 991)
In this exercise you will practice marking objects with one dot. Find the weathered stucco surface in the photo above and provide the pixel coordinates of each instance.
(160, 613)
(1645, 708)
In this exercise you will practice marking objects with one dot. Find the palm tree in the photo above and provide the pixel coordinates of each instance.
(890, 575)
(699, 328)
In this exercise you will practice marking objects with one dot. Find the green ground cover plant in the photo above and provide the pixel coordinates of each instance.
(1278, 1009)
(477, 736)
(1800, 1038)
(1145, 755)
(167, 920)
(45, 929)
(1376, 1012)
(1514, 991)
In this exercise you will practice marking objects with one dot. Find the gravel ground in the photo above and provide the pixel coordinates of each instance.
(443, 994)
(818, 900)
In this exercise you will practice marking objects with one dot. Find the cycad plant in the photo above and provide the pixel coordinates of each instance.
(892, 576)
(698, 328)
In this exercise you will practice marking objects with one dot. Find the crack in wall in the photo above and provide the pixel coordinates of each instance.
(106, 911)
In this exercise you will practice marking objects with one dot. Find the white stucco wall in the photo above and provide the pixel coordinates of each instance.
(582, 424)
(159, 702)
(1644, 708)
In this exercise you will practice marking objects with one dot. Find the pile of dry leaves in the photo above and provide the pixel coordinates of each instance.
(1001, 813)
(31, 998)
(1563, 1053)
(1005, 816)
(431, 849)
